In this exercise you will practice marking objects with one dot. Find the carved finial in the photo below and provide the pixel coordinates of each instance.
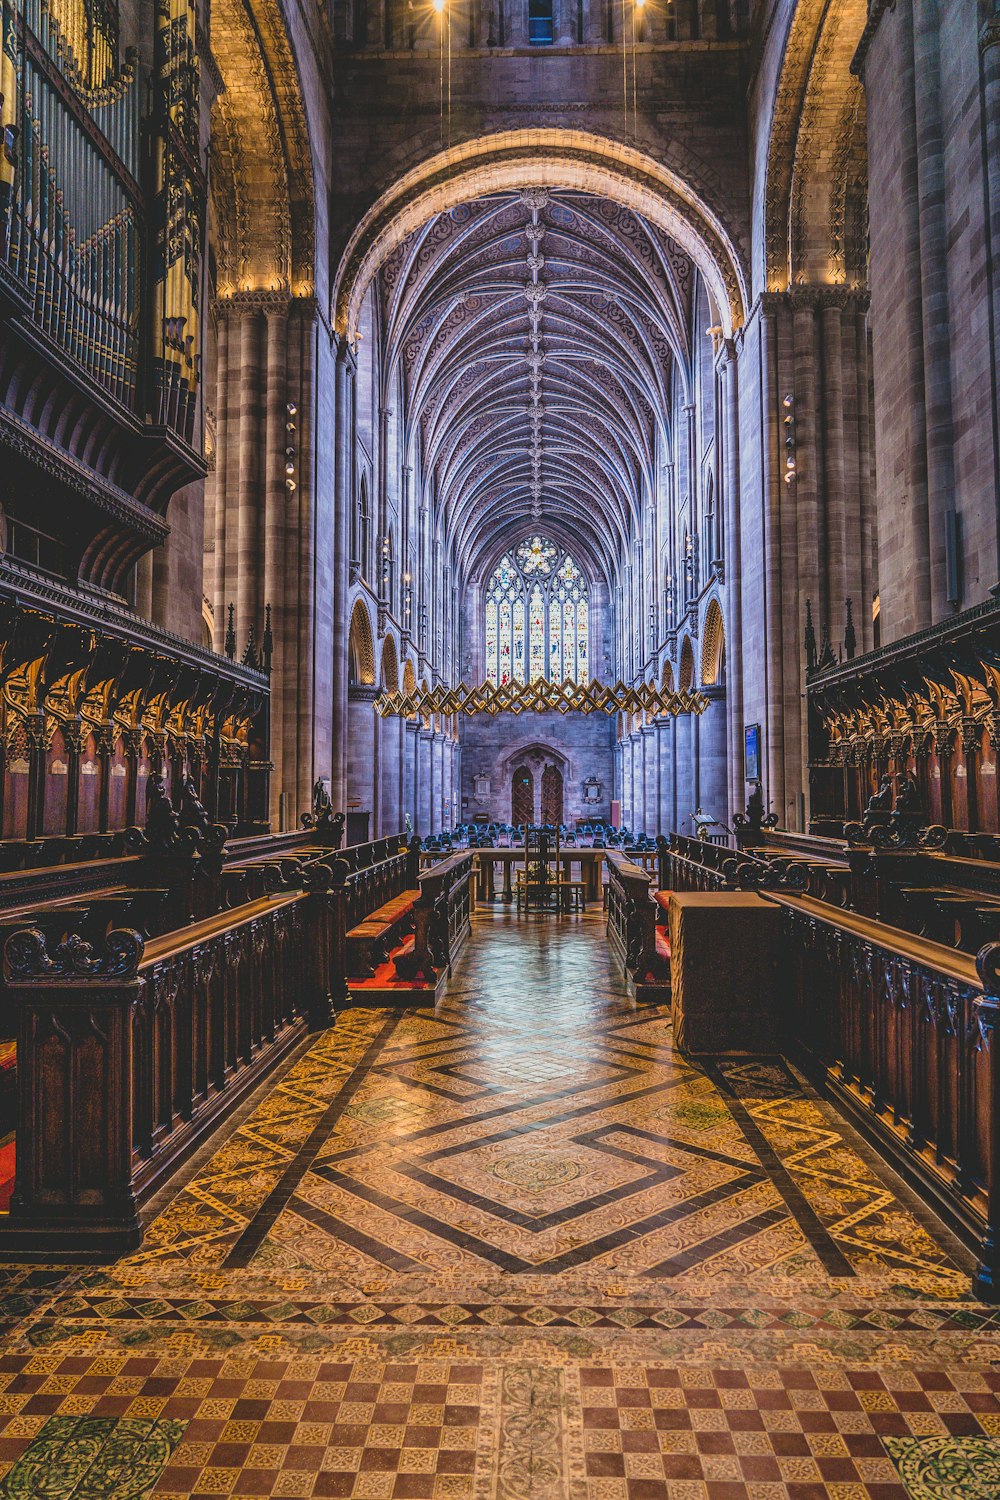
(267, 644)
(230, 647)
(850, 635)
(250, 655)
(826, 656)
(810, 639)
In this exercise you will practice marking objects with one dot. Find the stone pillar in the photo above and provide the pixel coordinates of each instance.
(713, 762)
(360, 769)
(391, 732)
(664, 774)
(423, 788)
(250, 392)
(989, 52)
(774, 746)
(409, 771)
(733, 607)
(343, 501)
(278, 504)
(437, 782)
(651, 821)
(684, 778)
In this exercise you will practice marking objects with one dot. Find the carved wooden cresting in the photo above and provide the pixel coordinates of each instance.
(90, 707)
(921, 717)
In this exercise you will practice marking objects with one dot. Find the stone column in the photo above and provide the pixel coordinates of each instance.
(989, 52)
(664, 774)
(651, 820)
(277, 572)
(360, 768)
(934, 289)
(732, 603)
(684, 779)
(713, 767)
(346, 365)
(391, 731)
(409, 771)
(248, 497)
(437, 781)
(423, 789)
(774, 747)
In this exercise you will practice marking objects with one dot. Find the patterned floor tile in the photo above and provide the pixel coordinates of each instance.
(514, 1248)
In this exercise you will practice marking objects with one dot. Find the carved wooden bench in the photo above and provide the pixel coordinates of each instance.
(370, 942)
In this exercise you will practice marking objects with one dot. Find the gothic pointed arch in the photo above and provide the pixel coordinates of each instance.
(685, 676)
(390, 666)
(519, 160)
(361, 649)
(262, 161)
(713, 644)
(815, 190)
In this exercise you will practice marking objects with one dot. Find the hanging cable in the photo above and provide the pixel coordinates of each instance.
(624, 69)
(439, 7)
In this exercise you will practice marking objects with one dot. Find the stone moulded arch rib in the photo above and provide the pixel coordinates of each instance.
(263, 185)
(817, 101)
(547, 158)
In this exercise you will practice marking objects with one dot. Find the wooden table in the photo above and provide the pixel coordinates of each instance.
(494, 879)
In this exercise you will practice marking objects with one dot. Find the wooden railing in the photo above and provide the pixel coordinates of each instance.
(687, 864)
(129, 1054)
(441, 918)
(904, 1032)
(632, 927)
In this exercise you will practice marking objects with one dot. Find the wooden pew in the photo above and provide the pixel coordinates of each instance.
(131, 1052)
(641, 946)
(905, 1035)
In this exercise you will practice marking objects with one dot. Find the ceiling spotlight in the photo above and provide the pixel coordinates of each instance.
(439, 5)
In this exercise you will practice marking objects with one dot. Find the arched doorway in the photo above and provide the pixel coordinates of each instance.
(552, 795)
(522, 796)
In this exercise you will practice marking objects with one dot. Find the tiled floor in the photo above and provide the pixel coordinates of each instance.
(515, 1248)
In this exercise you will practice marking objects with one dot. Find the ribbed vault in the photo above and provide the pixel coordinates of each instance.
(538, 334)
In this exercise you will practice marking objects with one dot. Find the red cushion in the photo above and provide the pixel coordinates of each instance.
(7, 1165)
(663, 899)
(662, 944)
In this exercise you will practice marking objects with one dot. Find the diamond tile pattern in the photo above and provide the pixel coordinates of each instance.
(514, 1249)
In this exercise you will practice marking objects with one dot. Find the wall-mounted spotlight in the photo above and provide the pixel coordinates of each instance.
(789, 425)
(291, 411)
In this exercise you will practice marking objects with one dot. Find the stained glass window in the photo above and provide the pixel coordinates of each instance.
(537, 616)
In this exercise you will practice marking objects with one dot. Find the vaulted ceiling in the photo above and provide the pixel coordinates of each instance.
(538, 334)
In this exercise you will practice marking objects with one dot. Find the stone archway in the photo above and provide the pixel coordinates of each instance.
(550, 158)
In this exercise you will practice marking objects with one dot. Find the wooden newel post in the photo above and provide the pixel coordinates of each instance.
(320, 922)
(413, 862)
(985, 1121)
(73, 1193)
(340, 872)
(663, 862)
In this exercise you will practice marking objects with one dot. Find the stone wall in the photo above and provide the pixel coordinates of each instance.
(579, 745)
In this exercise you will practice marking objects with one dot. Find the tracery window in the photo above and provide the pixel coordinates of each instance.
(537, 616)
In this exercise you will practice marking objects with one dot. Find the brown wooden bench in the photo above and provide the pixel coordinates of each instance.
(370, 942)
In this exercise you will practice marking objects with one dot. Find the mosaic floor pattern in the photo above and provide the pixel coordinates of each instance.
(515, 1248)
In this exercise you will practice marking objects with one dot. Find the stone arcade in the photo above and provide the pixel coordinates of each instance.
(500, 663)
